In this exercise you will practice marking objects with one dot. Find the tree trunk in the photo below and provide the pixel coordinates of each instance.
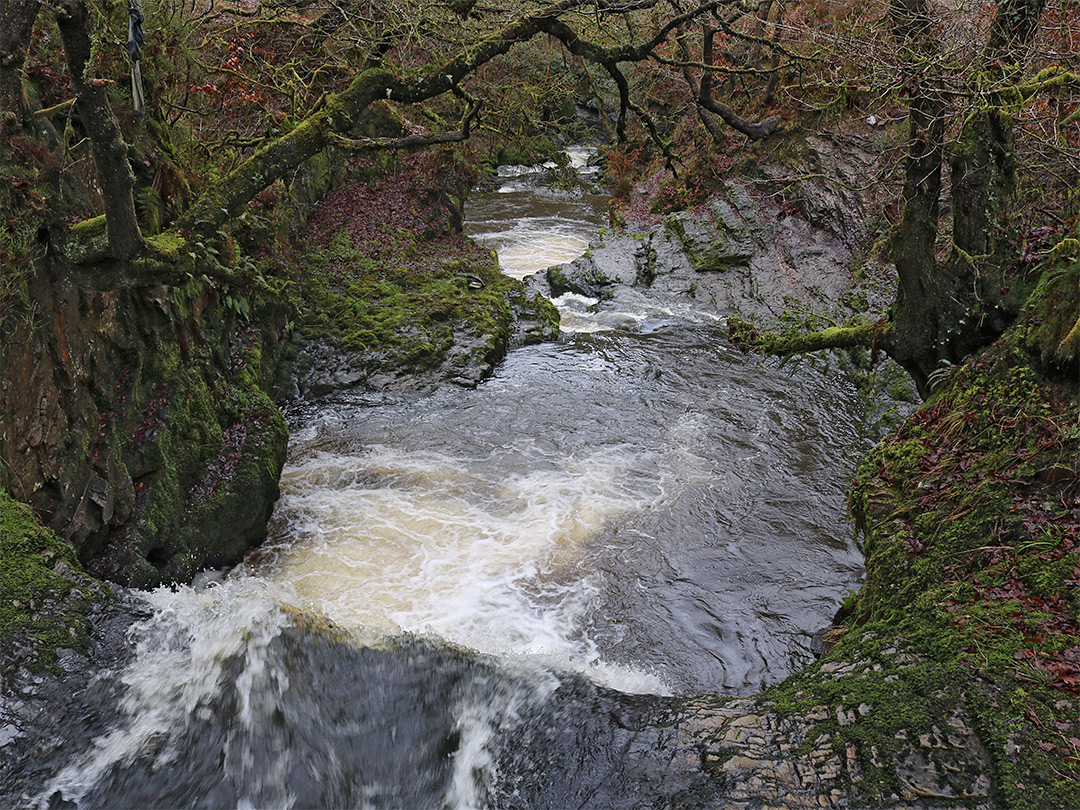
(16, 25)
(947, 310)
(764, 7)
(714, 130)
(983, 164)
(917, 322)
(774, 63)
(746, 335)
(107, 144)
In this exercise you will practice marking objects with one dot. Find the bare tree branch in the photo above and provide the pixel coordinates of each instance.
(753, 131)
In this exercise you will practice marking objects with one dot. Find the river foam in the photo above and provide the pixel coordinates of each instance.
(470, 550)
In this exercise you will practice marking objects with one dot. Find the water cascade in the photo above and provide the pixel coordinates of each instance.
(491, 598)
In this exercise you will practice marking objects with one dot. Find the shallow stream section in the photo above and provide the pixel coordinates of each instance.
(492, 598)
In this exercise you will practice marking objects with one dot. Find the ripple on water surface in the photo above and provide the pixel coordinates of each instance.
(639, 503)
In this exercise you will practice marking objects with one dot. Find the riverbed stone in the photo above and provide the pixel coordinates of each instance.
(762, 756)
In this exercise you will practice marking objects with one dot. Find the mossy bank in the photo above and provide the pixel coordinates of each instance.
(136, 421)
(391, 295)
(952, 678)
(46, 594)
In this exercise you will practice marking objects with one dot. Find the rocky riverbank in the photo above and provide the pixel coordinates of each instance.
(783, 241)
(953, 681)
(392, 296)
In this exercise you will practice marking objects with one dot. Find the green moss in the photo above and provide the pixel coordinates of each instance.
(45, 601)
(557, 280)
(886, 695)
(212, 530)
(529, 152)
(540, 315)
(167, 245)
(404, 312)
(183, 423)
(218, 448)
(89, 227)
(1049, 325)
(971, 567)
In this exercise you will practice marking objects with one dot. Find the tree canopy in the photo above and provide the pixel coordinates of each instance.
(989, 92)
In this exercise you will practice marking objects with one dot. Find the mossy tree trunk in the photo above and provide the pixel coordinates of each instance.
(948, 309)
(117, 181)
(16, 25)
(984, 161)
(917, 317)
(339, 114)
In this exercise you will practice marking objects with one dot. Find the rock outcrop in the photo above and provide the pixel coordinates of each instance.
(776, 243)
(136, 420)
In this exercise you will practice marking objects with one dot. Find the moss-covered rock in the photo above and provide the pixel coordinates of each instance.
(971, 518)
(45, 592)
(390, 297)
(1049, 325)
(119, 401)
(967, 622)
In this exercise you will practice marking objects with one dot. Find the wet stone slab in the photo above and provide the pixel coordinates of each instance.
(760, 758)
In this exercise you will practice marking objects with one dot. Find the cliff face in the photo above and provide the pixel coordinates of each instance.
(136, 421)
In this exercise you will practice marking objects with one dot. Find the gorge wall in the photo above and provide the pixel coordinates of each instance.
(136, 421)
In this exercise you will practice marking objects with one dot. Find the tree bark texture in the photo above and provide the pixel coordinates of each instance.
(946, 310)
(983, 164)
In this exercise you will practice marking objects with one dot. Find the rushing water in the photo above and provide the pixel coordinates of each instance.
(639, 504)
(533, 227)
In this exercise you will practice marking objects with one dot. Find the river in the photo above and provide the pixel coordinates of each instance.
(491, 598)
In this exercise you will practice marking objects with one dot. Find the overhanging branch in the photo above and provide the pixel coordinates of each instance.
(747, 336)
(338, 114)
(417, 141)
(753, 131)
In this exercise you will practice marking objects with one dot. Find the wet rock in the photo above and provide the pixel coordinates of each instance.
(740, 254)
(121, 398)
(50, 716)
(826, 181)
